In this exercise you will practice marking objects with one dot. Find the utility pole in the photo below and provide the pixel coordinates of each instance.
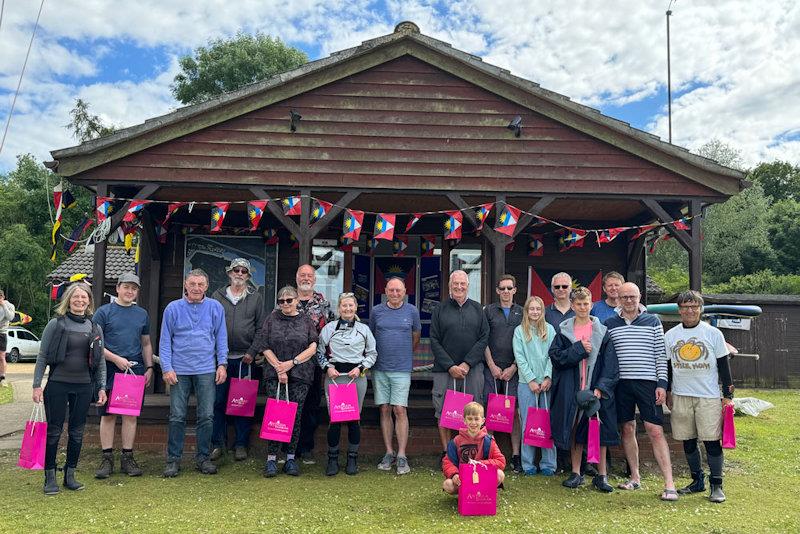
(669, 78)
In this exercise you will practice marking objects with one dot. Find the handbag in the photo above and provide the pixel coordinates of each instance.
(34, 440)
(242, 395)
(127, 394)
(453, 408)
(477, 494)
(279, 417)
(500, 411)
(343, 402)
(537, 427)
(728, 428)
(593, 441)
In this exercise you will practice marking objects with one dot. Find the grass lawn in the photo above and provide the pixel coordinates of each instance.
(761, 483)
(6, 394)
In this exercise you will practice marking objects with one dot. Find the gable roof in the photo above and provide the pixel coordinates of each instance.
(118, 261)
(406, 40)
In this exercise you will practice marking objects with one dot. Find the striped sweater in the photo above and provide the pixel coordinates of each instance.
(640, 347)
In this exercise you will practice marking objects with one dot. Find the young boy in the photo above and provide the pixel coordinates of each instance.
(468, 445)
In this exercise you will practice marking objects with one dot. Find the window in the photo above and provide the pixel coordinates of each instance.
(26, 336)
(329, 264)
(468, 258)
(12, 333)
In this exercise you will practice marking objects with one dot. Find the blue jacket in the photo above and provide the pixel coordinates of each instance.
(194, 340)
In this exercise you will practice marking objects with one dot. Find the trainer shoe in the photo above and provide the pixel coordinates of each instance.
(291, 468)
(239, 453)
(171, 470)
(270, 468)
(206, 467)
(387, 462)
(402, 465)
(573, 481)
(547, 472)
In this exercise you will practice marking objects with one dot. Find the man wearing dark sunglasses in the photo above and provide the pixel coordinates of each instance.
(244, 315)
(560, 310)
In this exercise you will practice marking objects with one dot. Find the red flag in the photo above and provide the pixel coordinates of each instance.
(135, 207)
(353, 220)
(54, 291)
(384, 226)
(452, 225)
(103, 208)
(427, 245)
(596, 287)
(162, 229)
(510, 246)
(320, 209)
(538, 288)
(507, 221)
(608, 235)
(643, 230)
(535, 245)
(270, 236)
(415, 217)
(292, 205)
(680, 224)
(571, 238)
(172, 208)
(345, 245)
(218, 211)
(481, 214)
(255, 210)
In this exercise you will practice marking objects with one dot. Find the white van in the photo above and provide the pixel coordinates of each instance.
(22, 344)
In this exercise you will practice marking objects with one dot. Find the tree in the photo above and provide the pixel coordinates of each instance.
(84, 125)
(228, 64)
(722, 153)
(780, 179)
(761, 283)
(784, 234)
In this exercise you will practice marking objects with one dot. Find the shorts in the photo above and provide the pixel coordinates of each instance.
(638, 393)
(443, 381)
(391, 387)
(3, 342)
(489, 385)
(696, 418)
(111, 371)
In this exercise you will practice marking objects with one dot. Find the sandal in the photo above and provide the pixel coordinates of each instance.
(629, 485)
(669, 495)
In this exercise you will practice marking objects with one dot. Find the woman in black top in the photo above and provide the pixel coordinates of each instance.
(288, 341)
(72, 346)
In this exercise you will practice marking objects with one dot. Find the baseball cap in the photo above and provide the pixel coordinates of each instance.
(128, 277)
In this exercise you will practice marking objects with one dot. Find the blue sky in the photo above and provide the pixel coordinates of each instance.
(736, 77)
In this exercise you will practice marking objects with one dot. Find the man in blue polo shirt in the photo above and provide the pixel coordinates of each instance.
(396, 327)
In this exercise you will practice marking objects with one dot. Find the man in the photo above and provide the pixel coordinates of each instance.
(561, 309)
(313, 304)
(459, 335)
(194, 351)
(501, 370)
(639, 341)
(244, 315)
(7, 312)
(699, 360)
(126, 329)
(604, 309)
(396, 327)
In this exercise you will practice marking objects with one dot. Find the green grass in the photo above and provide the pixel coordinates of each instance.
(6, 395)
(761, 483)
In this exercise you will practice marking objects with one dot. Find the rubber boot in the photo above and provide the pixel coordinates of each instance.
(50, 484)
(352, 463)
(69, 479)
(698, 484)
(333, 462)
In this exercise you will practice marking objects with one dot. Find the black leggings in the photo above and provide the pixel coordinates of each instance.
(353, 435)
(297, 393)
(57, 396)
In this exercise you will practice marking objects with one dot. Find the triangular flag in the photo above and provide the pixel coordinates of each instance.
(68, 200)
(351, 228)
(133, 210)
(596, 287)
(452, 225)
(71, 243)
(643, 230)
(399, 245)
(538, 288)
(162, 229)
(103, 208)
(608, 235)
(218, 211)
(571, 238)
(384, 226)
(680, 224)
(292, 205)
(345, 244)
(57, 194)
(320, 209)
(507, 220)
(172, 208)
(55, 291)
(20, 319)
(481, 214)
(255, 210)
(372, 244)
(535, 245)
(427, 245)
(270, 236)
(415, 217)
(293, 240)
(510, 246)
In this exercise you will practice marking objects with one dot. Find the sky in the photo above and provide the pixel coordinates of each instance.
(735, 63)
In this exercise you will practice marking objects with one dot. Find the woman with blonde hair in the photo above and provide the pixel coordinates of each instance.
(531, 343)
(72, 347)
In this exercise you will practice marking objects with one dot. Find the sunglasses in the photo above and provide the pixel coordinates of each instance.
(561, 287)
(509, 288)
(241, 270)
(286, 301)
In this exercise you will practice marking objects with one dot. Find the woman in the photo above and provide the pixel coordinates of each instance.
(72, 346)
(346, 349)
(288, 341)
(584, 364)
(531, 342)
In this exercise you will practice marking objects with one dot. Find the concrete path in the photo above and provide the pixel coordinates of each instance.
(14, 415)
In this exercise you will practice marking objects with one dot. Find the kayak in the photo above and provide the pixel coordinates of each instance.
(728, 310)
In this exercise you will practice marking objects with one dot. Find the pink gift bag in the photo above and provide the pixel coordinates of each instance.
(500, 411)
(593, 441)
(453, 408)
(279, 416)
(127, 394)
(477, 494)
(728, 428)
(537, 427)
(343, 402)
(31, 453)
(242, 394)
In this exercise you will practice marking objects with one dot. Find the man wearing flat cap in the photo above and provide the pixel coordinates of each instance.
(244, 315)
(126, 329)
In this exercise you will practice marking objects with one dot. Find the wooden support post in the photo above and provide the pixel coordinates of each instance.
(99, 265)
(304, 239)
(696, 249)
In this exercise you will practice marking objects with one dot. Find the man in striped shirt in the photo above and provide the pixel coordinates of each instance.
(639, 341)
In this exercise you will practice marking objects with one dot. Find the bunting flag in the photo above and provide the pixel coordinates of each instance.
(345, 244)
(452, 225)
(660, 238)
(680, 224)
(133, 210)
(571, 238)
(172, 208)
(162, 229)
(510, 246)
(427, 245)
(481, 214)
(292, 206)
(535, 245)
(353, 219)
(20, 318)
(255, 210)
(643, 230)
(71, 243)
(293, 240)
(270, 236)
(507, 220)
(56, 290)
(372, 244)
(68, 200)
(103, 208)
(320, 209)
(608, 235)
(399, 245)
(384, 226)
(58, 205)
(218, 211)
(415, 217)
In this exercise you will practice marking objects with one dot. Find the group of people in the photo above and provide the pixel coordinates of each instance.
(581, 361)
(578, 360)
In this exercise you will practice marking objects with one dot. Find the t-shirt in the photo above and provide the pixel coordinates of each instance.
(392, 329)
(602, 311)
(693, 353)
(123, 328)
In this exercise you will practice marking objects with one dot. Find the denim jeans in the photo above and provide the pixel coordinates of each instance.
(241, 425)
(527, 399)
(204, 391)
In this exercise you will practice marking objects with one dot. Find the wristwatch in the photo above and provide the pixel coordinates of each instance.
(296, 361)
